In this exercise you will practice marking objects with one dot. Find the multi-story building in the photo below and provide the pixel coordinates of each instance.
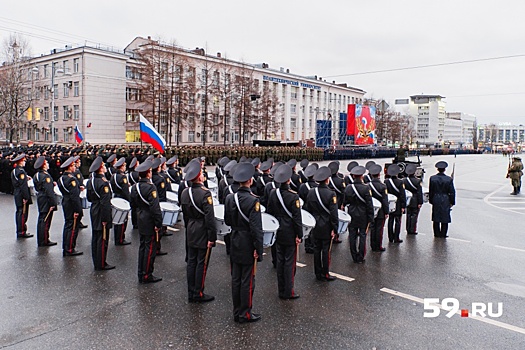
(501, 134)
(460, 129)
(429, 111)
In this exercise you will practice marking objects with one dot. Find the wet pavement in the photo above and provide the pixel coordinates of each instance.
(51, 302)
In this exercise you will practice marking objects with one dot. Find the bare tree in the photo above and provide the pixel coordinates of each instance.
(269, 110)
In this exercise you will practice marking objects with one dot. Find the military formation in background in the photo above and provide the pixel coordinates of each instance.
(257, 198)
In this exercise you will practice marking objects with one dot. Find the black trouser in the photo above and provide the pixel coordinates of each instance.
(412, 215)
(21, 216)
(120, 232)
(161, 233)
(273, 249)
(147, 254)
(321, 257)
(357, 237)
(394, 227)
(440, 229)
(376, 232)
(42, 228)
(286, 260)
(308, 243)
(70, 234)
(134, 217)
(243, 285)
(99, 247)
(196, 273)
(227, 242)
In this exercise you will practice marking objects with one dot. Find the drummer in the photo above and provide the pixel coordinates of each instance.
(304, 163)
(263, 178)
(46, 201)
(322, 204)
(256, 162)
(164, 173)
(284, 205)
(160, 183)
(145, 199)
(72, 207)
(337, 184)
(80, 179)
(133, 178)
(199, 220)
(379, 192)
(348, 180)
(296, 178)
(413, 184)
(174, 172)
(120, 186)
(358, 200)
(227, 179)
(303, 194)
(112, 159)
(270, 186)
(247, 243)
(99, 194)
(396, 187)
(230, 189)
(22, 196)
(367, 177)
(221, 163)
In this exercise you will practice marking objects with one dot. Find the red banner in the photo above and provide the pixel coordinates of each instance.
(350, 120)
(361, 122)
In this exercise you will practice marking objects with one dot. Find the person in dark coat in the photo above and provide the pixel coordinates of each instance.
(120, 187)
(162, 188)
(442, 196)
(379, 192)
(358, 201)
(99, 194)
(144, 197)
(22, 196)
(242, 212)
(284, 205)
(72, 207)
(201, 233)
(303, 194)
(264, 178)
(46, 201)
(322, 204)
(337, 185)
(133, 178)
(413, 184)
(396, 187)
(80, 179)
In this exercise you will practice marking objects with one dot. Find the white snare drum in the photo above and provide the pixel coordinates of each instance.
(58, 195)
(263, 208)
(344, 220)
(31, 186)
(308, 223)
(222, 228)
(377, 206)
(172, 197)
(175, 187)
(425, 195)
(214, 189)
(212, 178)
(301, 202)
(170, 213)
(270, 225)
(391, 203)
(408, 195)
(83, 199)
(85, 182)
(120, 209)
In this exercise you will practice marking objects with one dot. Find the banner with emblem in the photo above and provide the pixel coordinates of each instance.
(362, 124)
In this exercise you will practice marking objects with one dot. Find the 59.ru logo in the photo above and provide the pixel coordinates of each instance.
(433, 308)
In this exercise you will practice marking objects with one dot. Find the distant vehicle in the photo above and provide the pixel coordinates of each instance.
(420, 172)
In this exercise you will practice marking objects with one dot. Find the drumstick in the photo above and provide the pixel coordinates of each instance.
(207, 258)
(74, 222)
(24, 209)
(49, 212)
(254, 267)
(103, 231)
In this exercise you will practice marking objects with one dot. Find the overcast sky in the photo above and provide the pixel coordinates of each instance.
(333, 38)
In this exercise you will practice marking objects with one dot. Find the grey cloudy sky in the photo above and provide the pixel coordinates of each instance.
(326, 38)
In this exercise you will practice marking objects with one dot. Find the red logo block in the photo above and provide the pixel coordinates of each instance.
(464, 313)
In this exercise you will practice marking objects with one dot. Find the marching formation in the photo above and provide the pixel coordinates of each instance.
(251, 204)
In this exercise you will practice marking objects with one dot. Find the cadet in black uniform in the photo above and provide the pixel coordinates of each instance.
(46, 201)
(358, 201)
(226, 181)
(348, 180)
(256, 174)
(80, 180)
(72, 207)
(22, 196)
(133, 178)
(199, 220)
(243, 215)
(284, 205)
(99, 194)
(304, 163)
(395, 186)
(144, 197)
(303, 194)
(120, 186)
(295, 182)
(378, 192)
(174, 172)
(442, 196)
(322, 204)
(160, 183)
(264, 178)
(338, 186)
(413, 184)
(112, 159)
(367, 177)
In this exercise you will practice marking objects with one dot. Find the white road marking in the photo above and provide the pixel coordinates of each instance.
(489, 196)
(341, 277)
(485, 320)
(509, 197)
(508, 248)
(458, 239)
(220, 242)
(298, 264)
(508, 202)
(521, 208)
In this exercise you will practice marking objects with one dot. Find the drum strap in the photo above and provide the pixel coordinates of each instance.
(226, 181)
(411, 184)
(320, 201)
(168, 173)
(293, 184)
(37, 177)
(236, 197)
(393, 185)
(273, 185)
(93, 185)
(262, 181)
(335, 187)
(230, 189)
(357, 194)
(62, 182)
(350, 181)
(279, 195)
(140, 195)
(375, 189)
(114, 177)
(307, 186)
(193, 202)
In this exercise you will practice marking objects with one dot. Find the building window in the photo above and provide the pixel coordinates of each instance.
(76, 87)
(55, 90)
(235, 136)
(65, 66)
(46, 113)
(76, 112)
(55, 113)
(191, 136)
(293, 93)
(46, 92)
(37, 134)
(46, 135)
(293, 108)
(293, 123)
(45, 71)
(66, 90)
(75, 65)
(66, 112)
(132, 115)
(215, 136)
(133, 94)
(66, 135)
(56, 135)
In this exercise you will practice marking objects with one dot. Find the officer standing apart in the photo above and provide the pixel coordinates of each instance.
(396, 187)
(379, 192)
(243, 215)
(120, 186)
(46, 201)
(99, 194)
(284, 205)
(442, 196)
(515, 173)
(358, 200)
(72, 207)
(201, 234)
(322, 204)
(413, 184)
(22, 196)
(149, 216)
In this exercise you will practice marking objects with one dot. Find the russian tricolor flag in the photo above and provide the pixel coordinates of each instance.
(150, 135)
(78, 135)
